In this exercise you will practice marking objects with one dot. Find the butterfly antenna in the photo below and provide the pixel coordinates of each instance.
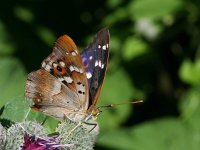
(113, 105)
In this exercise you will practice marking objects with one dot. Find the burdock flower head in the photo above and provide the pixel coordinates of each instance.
(50, 143)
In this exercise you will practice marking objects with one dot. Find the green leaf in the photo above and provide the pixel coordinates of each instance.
(117, 88)
(6, 46)
(12, 79)
(134, 47)
(119, 15)
(153, 9)
(22, 111)
(46, 35)
(24, 14)
(165, 134)
(16, 109)
(114, 3)
(115, 44)
(48, 122)
(190, 107)
(189, 71)
(51, 124)
(190, 112)
(147, 28)
(36, 116)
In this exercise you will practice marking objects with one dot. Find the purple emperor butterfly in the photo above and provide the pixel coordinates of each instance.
(68, 84)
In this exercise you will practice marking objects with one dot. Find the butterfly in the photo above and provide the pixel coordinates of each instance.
(68, 84)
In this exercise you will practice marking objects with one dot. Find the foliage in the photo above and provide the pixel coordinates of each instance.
(154, 55)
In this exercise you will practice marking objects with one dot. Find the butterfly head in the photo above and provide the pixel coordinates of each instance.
(95, 113)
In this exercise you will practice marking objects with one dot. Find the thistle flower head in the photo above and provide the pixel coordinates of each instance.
(50, 143)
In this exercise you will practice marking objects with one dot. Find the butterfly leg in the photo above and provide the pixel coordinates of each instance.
(92, 124)
(74, 128)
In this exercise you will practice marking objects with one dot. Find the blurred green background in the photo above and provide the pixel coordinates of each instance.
(154, 55)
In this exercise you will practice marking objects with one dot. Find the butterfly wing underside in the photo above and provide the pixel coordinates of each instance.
(60, 87)
(95, 60)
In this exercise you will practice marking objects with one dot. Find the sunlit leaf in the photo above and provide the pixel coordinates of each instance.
(153, 9)
(134, 47)
(12, 80)
(51, 124)
(189, 71)
(147, 28)
(16, 109)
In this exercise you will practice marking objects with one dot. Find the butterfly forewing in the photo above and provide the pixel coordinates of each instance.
(60, 87)
(66, 65)
(95, 60)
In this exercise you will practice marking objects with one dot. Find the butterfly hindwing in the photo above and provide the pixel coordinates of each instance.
(49, 95)
(95, 60)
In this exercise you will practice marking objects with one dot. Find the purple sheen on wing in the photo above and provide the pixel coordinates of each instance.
(86, 61)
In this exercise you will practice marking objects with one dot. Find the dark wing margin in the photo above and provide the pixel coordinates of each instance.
(95, 60)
